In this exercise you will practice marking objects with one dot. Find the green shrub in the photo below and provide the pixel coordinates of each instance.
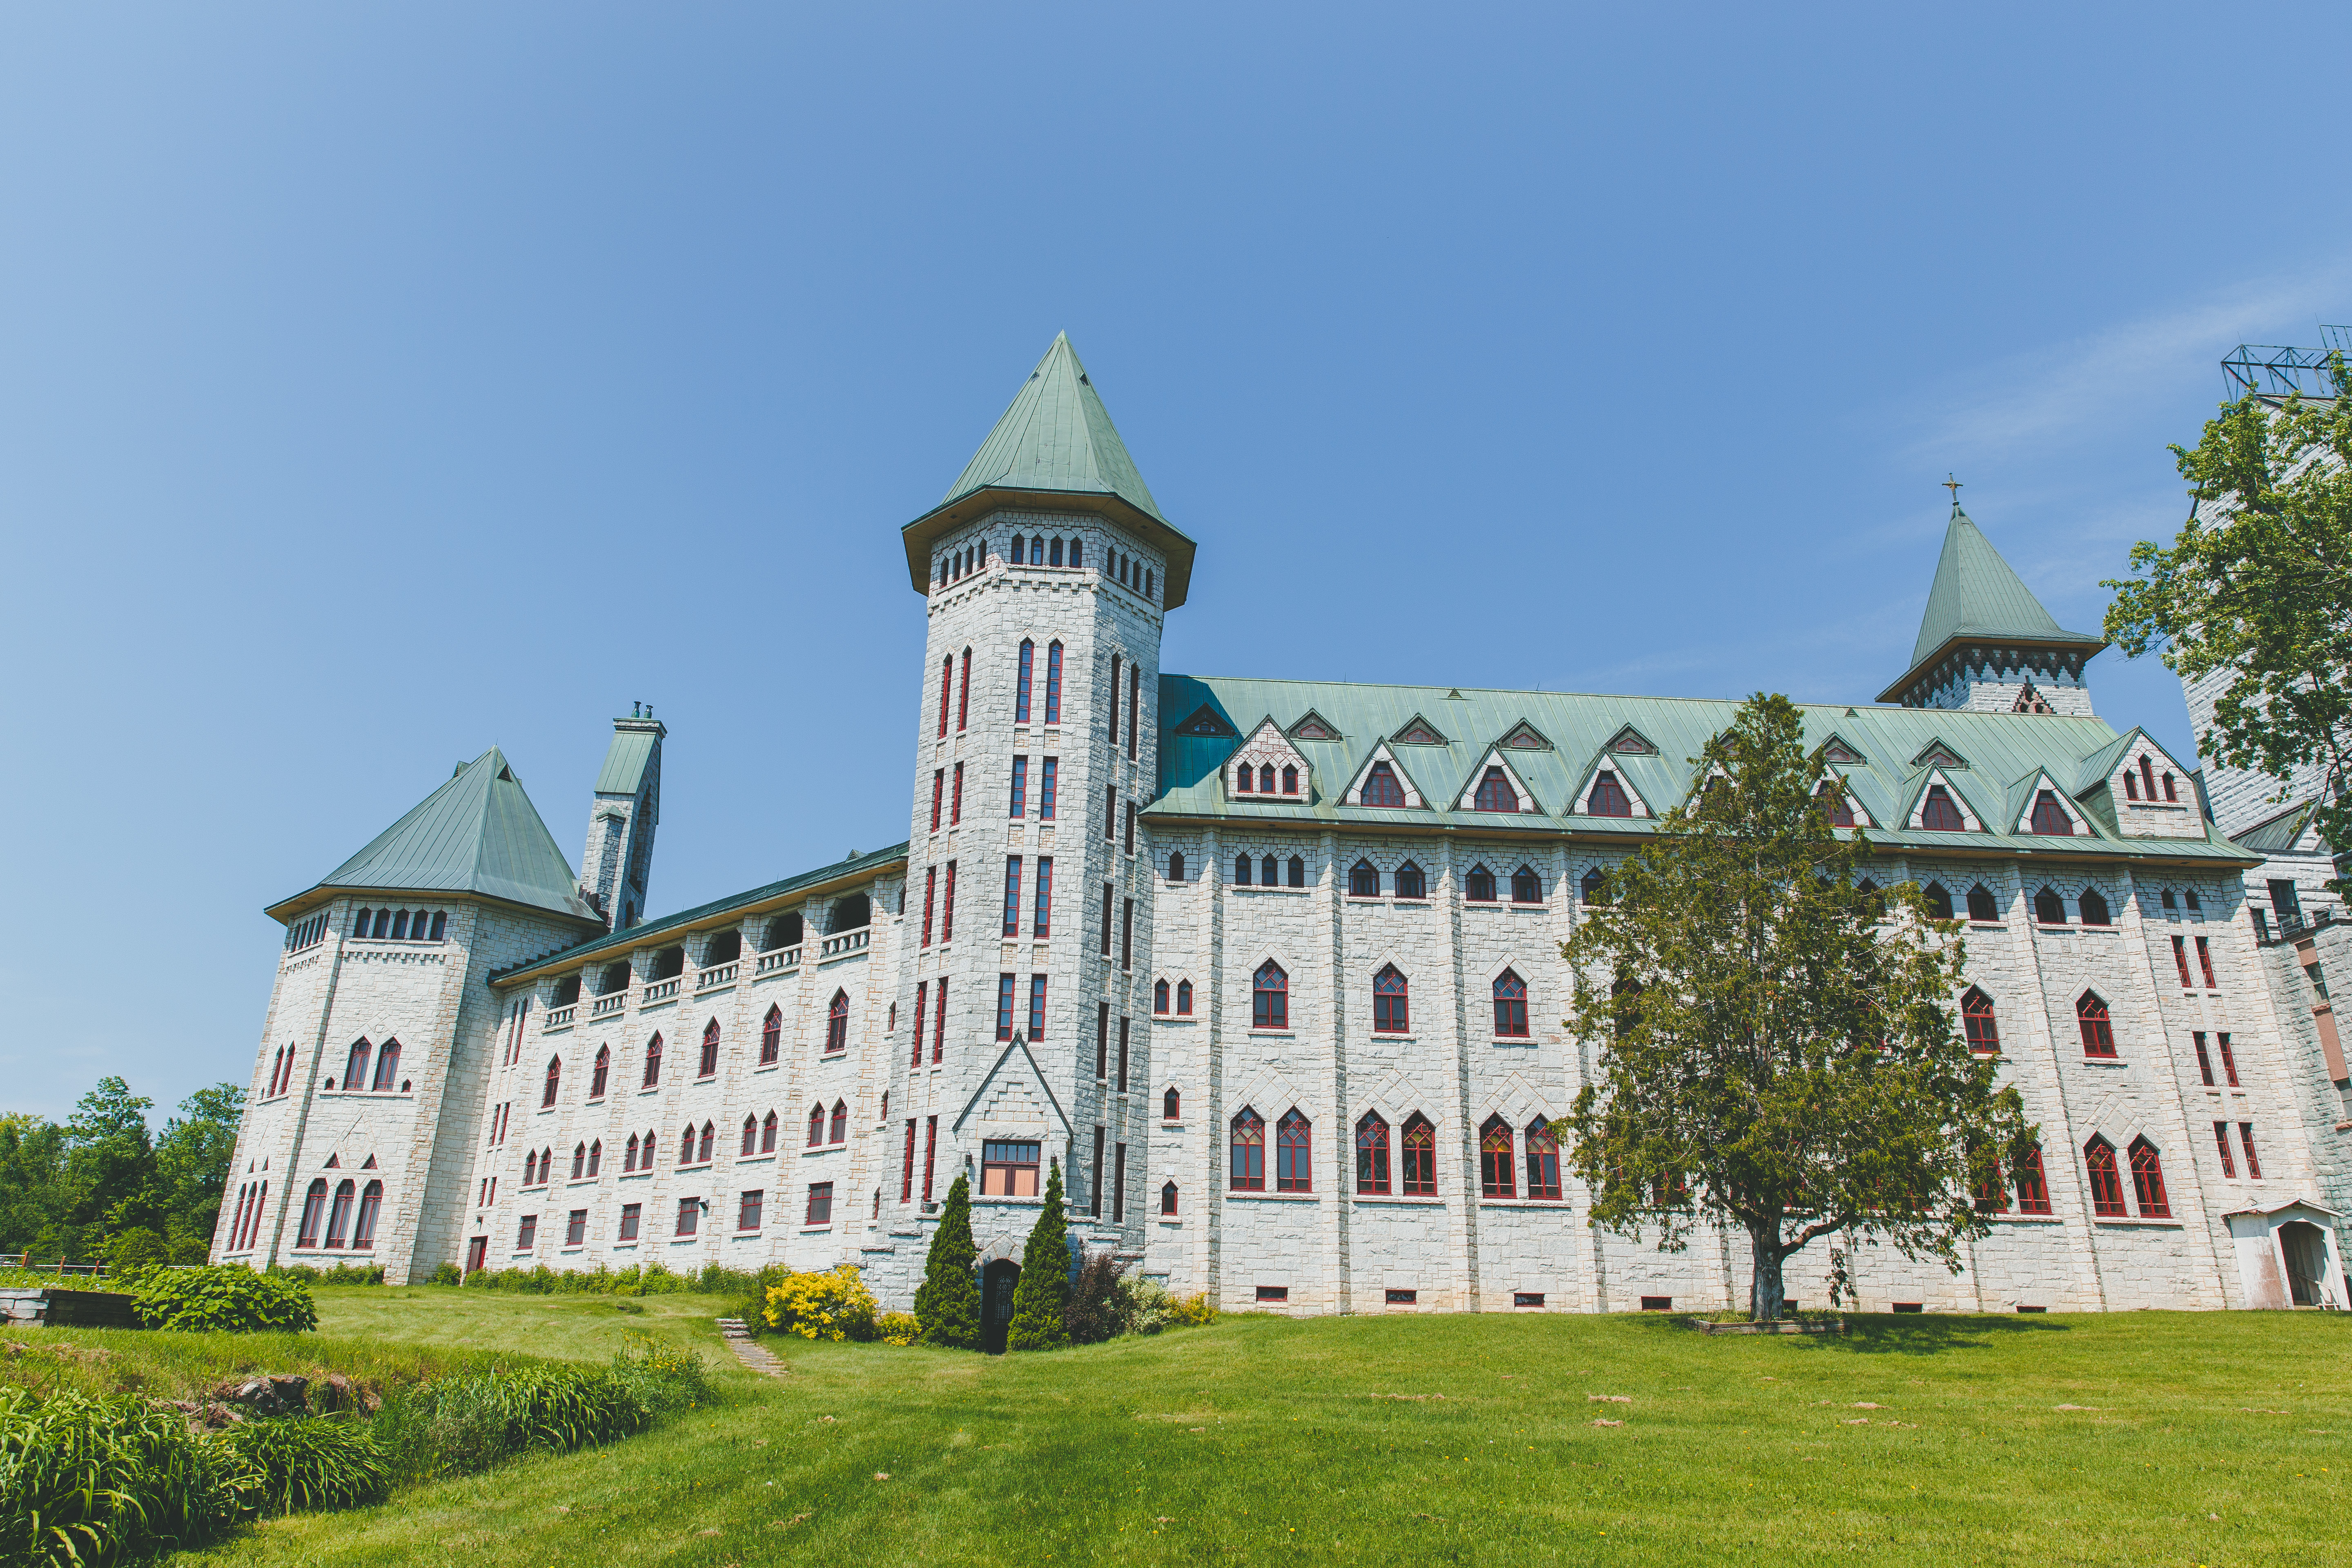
(947, 1302)
(898, 1328)
(135, 1250)
(341, 1274)
(664, 1378)
(448, 1274)
(230, 1297)
(834, 1305)
(298, 1462)
(1193, 1312)
(1044, 1287)
(89, 1478)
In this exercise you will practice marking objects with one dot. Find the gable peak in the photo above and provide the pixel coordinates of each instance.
(1419, 732)
(1629, 742)
(1524, 737)
(1313, 726)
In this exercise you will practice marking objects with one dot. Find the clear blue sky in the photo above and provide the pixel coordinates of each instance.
(378, 383)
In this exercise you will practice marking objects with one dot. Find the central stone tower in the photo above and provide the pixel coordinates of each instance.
(1022, 1024)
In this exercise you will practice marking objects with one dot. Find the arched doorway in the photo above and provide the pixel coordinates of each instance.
(996, 1283)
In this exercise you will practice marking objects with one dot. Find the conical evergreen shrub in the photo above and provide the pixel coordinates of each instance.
(1045, 1287)
(947, 1303)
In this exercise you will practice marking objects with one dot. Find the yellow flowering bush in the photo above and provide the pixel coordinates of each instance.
(834, 1305)
(898, 1328)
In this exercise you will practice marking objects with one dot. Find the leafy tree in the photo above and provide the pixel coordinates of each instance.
(947, 1303)
(192, 1162)
(1778, 1050)
(32, 1181)
(2259, 580)
(1043, 1289)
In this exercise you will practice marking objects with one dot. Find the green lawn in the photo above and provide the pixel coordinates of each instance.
(1415, 1439)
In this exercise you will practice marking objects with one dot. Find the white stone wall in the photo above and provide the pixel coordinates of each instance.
(2240, 798)
(1989, 680)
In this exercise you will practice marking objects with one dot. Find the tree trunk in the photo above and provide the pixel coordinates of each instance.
(1766, 1298)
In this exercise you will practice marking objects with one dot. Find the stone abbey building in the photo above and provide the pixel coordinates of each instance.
(1271, 968)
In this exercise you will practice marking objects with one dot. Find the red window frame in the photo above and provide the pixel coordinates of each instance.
(2096, 1028)
(2253, 1163)
(1036, 1007)
(709, 1049)
(963, 693)
(1392, 1003)
(603, 1070)
(1607, 797)
(940, 1021)
(1183, 998)
(2221, 1144)
(1011, 894)
(922, 1001)
(2205, 962)
(1371, 1154)
(1247, 1148)
(819, 1204)
(2228, 1059)
(1543, 1162)
(1938, 813)
(1836, 802)
(907, 1176)
(1270, 997)
(1021, 685)
(2180, 961)
(1526, 888)
(1294, 1152)
(1498, 1178)
(1495, 792)
(2032, 1184)
(1053, 683)
(1043, 926)
(1978, 1022)
(837, 1130)
(947, 689)
(836, 1024)
(1381, 788)
(2106, 1180)
(1005, 983)
(2147, 1181)
(1510, 1005)
(930, 1148)
(554, 1081)
(771, 1035)
(2050, 818)
(1420, 1172)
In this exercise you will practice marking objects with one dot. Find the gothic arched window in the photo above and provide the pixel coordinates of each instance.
(339, 1218)
(1510, 1005)
(1247, 1169)
(1241, 871)
(709, 1049)
(1594, 889)
(2050, 818)
(579, 1160)
(364, 1228)
(1171, 1105)
(1183, 998)
(836, 1023)
(1938, 900)
(768, 1134)
(355, 1068)
(1420, 1157)
(1266, 778)
(1495, 1177)
(554, 1081)
(629, 1155)
(840, 1133)
(1363, 880)
(653, 1061)
(1526, 888)
(816, 1126)
(1372, 1154)
(710, 1136)
(1028, 665)
(1392, 1009)
(1244, 780)
(1167, 1198)
(2091, 1020)
(1291, 779)
(1478, 886)
(314, 1211)
(1495, 794)
(1543, 1161)
(1976, 1022)
(1294, 1164)
(1270, 997)
(2107, 1182)
(387, 1068)
(771, 1035)
(1269, 873)
(2147, 1181)
(603, 1070)
(2095, 908)
(750, 1135)
(2049, 908)
(1159, 996)
(1299, 870)
(1410, 882)
(1176, 865)
(1982, 906)
(685, 1144)
(1381, 788)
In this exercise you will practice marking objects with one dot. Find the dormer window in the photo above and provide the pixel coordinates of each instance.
(1834, 801)
(1495, 794)
(1290, 780)
(1939, 814)
(2050, 818)
(1381, 788)
(1245, 779)
(1608, 797)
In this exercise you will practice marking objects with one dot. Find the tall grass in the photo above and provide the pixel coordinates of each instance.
(300, 1462)
(95, 1479)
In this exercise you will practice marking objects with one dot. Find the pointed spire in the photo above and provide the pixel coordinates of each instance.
(478, 833)
(1978, 597)
(1056, 436)
(1053, 448)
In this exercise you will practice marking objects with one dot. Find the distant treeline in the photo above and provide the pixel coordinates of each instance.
(103, 1188)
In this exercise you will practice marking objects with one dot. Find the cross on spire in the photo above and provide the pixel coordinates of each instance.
(1953, 485)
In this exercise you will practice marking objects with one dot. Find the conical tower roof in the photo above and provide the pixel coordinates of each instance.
(1978, 597)
(1054, 448)
(476, 834)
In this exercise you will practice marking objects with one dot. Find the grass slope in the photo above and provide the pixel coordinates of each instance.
(1420, 1439)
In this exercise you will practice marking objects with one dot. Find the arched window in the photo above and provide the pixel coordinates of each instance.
(364, 1228)
(314, 1213)
(1248, 1146)
(1976, 1022)
(1420, 1157)
(1607, 797)
(361, 920)
(1363, 880)
(1594, 889)
(750, 1135)
(1495, 1177)
(1244, 780)
(1241, 871)
(646, 1160)
(1381, 788)
(710, 1048)
(710, 1136)
(1938, 900)
(1183, 998)
(629, 1155)
(1982, 906)
(1526, 888)
(530, 1168)
(400, 925)
(653, 1061)
(1495, 794)
(1510, 1005)
(836, 1023)
(2147, 1181)
(1372, 1154)
(854, 912)
(768, 1134)
(1293, 1165)
(387, 1068)
(1939, 814)
(1410, 882)
(1835, 802)
(2049, 908)
(840, 1123)
(382, 923)
(1392, 1010)
(440, 924)
(771, 1035)
(1543, 1161)
(1478, 886)
(1078, 552)
(355, 1068)
(2095, 908)
(1176, 865)
(2050, 818)
(1299, 870)
(2131, 784)
(1269, 873)
(554, 1081)
(1053, 683)
(339, 1218)
(685, 1144)
(1028, 662)
(579, 1160)
(2107, 1182)
(1167, 1198)
(1266, 778)
(1270, 997)
(2091, 1018)
(603, 1070)
(816, 1126)
(1159, 996)
(1291, 779)
(1171, 1105)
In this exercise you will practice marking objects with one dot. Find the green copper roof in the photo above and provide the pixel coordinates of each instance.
(1058, 435)
(1977, 595)
(634, 743)
(476, 834)
(1897, 747)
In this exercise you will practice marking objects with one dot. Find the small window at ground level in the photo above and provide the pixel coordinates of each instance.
(1909, 1306)
(1402, 1298)
(1274, 1292)
(1527, 1299)
(1657, 1303)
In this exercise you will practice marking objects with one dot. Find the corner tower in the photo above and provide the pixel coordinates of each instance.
(1986, 645)
(617, 862)
(1047, 569)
